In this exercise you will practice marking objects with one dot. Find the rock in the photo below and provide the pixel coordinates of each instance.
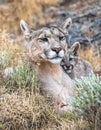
(61, 13)
(8, 72)
(3, 1)
(86, 16)
(76, 35)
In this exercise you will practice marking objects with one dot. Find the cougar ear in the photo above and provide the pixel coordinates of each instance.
(67, 24)
(75, 48)
(24, 27)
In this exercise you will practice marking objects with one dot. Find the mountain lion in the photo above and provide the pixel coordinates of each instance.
(75, 66)
(47, 46)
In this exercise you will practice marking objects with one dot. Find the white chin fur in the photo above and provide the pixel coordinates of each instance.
(61, 53)
(69, 71)
(55, 61)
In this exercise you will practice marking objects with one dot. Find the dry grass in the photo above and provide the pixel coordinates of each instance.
(91, 55)
(25, 111)
(32, 11)
(11, 51)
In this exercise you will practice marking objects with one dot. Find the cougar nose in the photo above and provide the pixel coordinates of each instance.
(70, 67)
(57, 49)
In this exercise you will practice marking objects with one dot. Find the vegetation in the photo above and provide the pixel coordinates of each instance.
(32, 11)
(22, 107)
(88, 98)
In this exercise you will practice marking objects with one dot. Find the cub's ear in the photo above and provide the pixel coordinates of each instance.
(24, 27)
(75, 48)
(67, 24)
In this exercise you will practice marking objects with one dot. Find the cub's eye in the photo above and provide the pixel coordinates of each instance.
(70, 58)
(61, 38)
(44, 39)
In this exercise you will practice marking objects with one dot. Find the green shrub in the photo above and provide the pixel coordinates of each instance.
(88, 97)
(5, 59)
(23, 77)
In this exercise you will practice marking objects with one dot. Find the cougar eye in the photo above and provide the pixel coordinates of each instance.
(44, 39)
(61, 38)
(70, 58)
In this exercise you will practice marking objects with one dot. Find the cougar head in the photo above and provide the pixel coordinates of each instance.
(46, 44)
(70, 58)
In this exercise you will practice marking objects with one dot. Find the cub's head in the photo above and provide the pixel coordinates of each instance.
(47, 44)
(70, 59)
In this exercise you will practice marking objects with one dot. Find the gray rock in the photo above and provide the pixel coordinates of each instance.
(3, 1)
(8, 72)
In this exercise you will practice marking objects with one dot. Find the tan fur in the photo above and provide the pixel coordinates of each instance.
(75, 66)
(47, 46)
(83, 68)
